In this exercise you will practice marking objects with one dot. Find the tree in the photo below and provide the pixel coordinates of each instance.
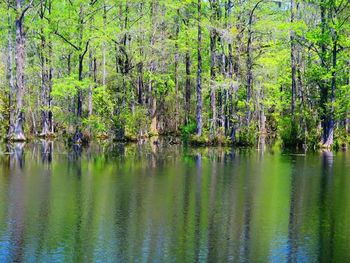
(83, 12)
(16, 131)
(199, 71)
(124, 70)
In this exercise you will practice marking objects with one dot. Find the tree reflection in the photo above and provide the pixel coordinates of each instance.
(218, 205)
(16, 154)
(46, 151)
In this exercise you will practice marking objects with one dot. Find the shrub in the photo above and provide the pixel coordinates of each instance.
(247, 135)
(188, 129)
(137, 123)
(290, 132)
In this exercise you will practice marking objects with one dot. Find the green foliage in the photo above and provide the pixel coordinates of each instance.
(102, 103)
(247, 135)
(95, 124)
(137, 123)
(132, 56)
(341, 139)
(291, 133)
(188, 130)
(300, 131)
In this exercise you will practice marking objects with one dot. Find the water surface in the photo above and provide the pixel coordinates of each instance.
(149, 203)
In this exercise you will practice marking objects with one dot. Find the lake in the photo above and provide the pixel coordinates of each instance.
(155, 203)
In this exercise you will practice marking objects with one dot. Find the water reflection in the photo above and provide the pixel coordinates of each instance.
(15, 152)
(46, 151)
(148, 202)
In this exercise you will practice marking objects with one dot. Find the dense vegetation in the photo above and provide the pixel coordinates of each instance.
(213, 71)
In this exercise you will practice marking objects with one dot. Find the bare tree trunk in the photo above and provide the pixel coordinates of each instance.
(78, 136)
(10, 79)
(140, 84)
(188, 73)
(232, 74)
(91, 73)
(222, 98)
(104, 71)
(236, 65)
(199, 72)
(49, 62)
(140, 81)
(69, 67)
(18, 133)
(176, 73)
(188, 87)
(44, 94)
(250, 61)
(293, 53)
(230, 90)
(212, 80)
(249, 73)
(154, 128)
(152, 95)
(262, 117)
(330, 131)
(45, 127)
(80, 93)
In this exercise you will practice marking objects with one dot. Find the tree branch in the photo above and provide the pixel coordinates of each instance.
(25, 10)
(66, 40)
(9, 4)
(311, 46)
(86, 48)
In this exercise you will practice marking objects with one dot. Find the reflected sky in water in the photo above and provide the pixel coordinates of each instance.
(149, 203)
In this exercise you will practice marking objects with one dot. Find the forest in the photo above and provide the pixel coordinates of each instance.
(210, 72)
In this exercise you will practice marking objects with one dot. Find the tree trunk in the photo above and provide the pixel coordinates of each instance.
(69, 67)
(80, 94)
(78, 136)
(250, 61)
(188, 87)
(44, 92)
(140, 65)
(262, 117)
(104, 71)
(212, 80)
(18, 134)
(12, 89)
(199, 72)
(329, 132)
(140, 84)
(222, 98)
(153, 108)
(293, 53)
(236, 65)
(326, 118)
(188, 74)
(176, 73)
(91, 75)
(230, 129)
(153, 66)
(45, 128)
(249, 72)
(49, 62)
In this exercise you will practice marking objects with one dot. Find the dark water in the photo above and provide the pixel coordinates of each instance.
(154, 204)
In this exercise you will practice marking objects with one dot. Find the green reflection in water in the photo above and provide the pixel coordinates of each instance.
(143, 203)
